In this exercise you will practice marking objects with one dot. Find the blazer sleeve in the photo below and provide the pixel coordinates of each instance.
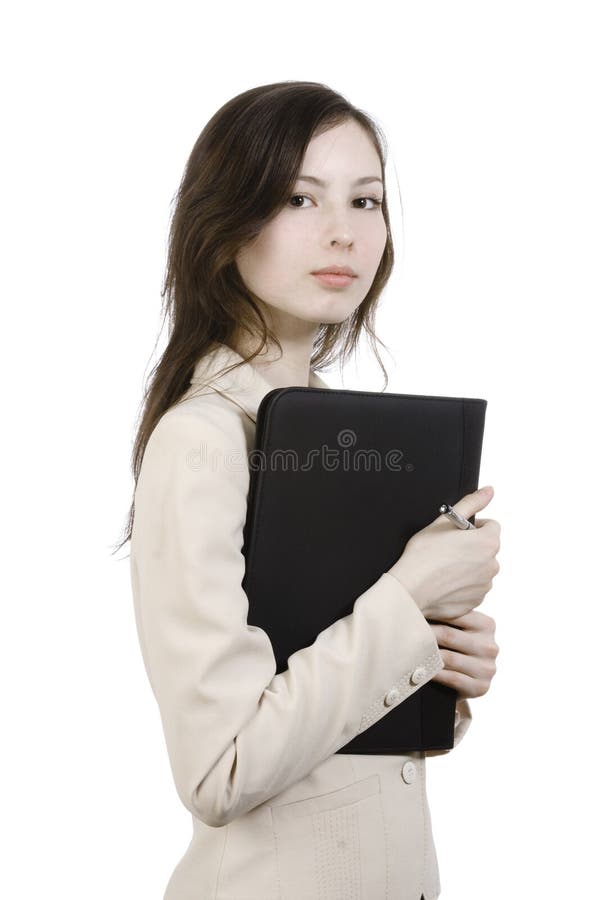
(237, 733)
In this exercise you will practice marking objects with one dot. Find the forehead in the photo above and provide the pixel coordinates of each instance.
(346, 151)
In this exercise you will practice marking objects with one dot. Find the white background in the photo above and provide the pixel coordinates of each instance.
(491, 112)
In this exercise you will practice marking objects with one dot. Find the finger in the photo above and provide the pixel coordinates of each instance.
(464, 684)
(464, 621)
(473, 503)
(461, 663)
(455, 639)
(476, 644)
(471, 621)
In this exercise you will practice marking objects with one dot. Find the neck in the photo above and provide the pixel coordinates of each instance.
(289, 368)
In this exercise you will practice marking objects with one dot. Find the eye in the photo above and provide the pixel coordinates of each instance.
(376, 202)
(373, 199)
(298, 197)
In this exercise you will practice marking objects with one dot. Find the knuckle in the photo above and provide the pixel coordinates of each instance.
(493, 532)
(490, 542)
(443, 634)
(491, 665)
(484, 621)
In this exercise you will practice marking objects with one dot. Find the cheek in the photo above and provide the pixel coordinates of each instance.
(256, 259)
(271, 263)
(374, 239)
(277, 244)
(287, 250)
(289, 236)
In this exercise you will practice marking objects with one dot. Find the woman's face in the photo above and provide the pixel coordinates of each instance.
(322, 225)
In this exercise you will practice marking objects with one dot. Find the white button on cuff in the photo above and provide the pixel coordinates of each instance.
(409, 772)
(391, 697)
(418, 675)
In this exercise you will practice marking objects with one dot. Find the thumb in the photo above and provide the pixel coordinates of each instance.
(470, 504)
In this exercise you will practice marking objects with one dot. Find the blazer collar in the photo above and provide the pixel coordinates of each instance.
(245, 386)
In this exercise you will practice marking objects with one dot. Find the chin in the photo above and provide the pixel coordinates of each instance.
(333, 320)
(336, 313)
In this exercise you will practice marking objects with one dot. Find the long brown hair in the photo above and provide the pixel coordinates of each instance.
(239, 175)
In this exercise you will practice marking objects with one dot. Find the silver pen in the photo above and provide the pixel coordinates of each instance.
(455, 517)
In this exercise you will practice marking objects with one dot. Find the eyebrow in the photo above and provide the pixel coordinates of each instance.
(365, 180)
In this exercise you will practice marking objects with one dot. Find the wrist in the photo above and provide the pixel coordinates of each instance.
(404, 577)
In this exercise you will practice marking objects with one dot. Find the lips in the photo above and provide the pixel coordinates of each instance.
(333, 279)
(335, 270)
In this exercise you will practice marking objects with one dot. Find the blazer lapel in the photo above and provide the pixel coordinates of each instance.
(245, 386)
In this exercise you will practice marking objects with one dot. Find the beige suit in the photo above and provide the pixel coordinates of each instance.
(277, 814)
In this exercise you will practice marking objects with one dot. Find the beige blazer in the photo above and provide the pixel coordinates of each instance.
(276, 813)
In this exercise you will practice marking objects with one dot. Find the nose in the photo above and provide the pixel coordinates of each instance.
(337, 227)
(342, 237)
(344, 240)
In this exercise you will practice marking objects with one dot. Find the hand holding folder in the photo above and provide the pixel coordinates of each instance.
(366, 471)
(437, 562)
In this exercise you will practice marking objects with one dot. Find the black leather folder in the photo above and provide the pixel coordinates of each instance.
(339, 482)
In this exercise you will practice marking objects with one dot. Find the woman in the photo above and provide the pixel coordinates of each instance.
(286, 179)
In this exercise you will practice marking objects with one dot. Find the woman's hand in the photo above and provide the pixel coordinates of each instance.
(447, 570)
(469, 650)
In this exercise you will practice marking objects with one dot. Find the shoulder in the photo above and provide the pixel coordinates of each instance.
(194, 479)
(208, 416)
(202, 435)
